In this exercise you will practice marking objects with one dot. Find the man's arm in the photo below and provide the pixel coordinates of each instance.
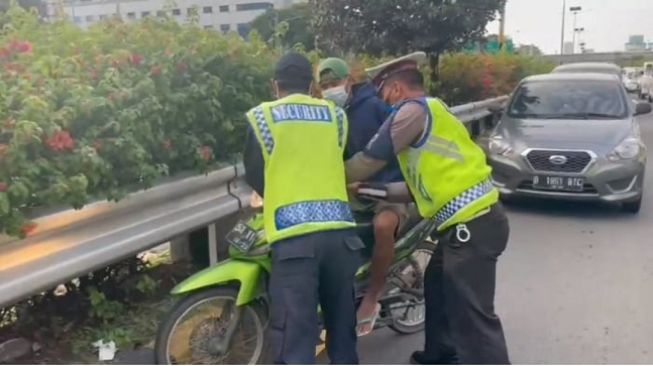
(394, 136)
(254, 163)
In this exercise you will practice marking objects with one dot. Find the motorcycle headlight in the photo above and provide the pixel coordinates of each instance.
(500, 146)
(627, 149)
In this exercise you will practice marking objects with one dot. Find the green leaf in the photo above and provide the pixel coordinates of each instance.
(5, 206)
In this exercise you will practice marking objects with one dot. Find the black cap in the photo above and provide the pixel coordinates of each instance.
(293, 67)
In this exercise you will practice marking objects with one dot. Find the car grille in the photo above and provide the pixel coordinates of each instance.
(577, 161)
(528, 185)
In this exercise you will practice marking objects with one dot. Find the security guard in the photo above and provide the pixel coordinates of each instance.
(293, 159)
(447, 176)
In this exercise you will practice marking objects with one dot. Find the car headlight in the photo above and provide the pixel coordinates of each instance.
(627, 149)
(500, 146)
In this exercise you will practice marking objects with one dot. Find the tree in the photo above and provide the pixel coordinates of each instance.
(286, 27)
(27, 4)
(529, 50)
(395, 27)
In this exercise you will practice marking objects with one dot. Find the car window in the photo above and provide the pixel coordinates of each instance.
(569, 99)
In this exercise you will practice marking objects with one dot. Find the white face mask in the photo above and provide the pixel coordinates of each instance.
(337, 95)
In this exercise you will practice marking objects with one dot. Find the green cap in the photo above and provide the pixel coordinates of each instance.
(332, 68)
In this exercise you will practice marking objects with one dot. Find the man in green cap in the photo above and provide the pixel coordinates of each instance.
(366, 113)
(448, 178)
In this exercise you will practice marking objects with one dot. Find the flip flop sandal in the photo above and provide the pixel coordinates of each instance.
(368, 323)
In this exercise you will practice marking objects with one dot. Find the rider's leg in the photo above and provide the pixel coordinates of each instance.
(340, 257)
(386, 223)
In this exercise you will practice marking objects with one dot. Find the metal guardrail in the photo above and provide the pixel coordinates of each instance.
(73, 243)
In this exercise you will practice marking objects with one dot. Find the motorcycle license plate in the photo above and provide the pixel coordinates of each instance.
(242, 237)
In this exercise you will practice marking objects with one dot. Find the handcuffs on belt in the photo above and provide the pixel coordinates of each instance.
(463, 235)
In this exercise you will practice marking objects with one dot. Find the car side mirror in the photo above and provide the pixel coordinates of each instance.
(643, 108)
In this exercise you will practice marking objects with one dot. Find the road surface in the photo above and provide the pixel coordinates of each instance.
(574, 286)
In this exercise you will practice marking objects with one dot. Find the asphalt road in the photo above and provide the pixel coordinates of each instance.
(575, 285)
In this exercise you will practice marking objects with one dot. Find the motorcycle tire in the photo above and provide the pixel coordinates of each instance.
(184, 306)
(403, 328)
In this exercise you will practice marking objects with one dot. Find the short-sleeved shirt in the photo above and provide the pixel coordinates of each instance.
(399, 131)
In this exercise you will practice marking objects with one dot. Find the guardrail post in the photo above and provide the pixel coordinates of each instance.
(180, 249)
(476, 128)
(213, 244)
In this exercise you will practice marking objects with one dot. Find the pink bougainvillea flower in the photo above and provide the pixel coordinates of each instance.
(60, 141)
(136, 59)
(21, 46)
(206, 153)
(28, 228)
(167, 144)
(155, 71)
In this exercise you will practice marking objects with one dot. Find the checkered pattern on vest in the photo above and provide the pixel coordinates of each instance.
(312, 212)
(263, 129)
(464, 199)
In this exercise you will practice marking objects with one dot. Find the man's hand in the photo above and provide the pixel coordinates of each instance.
(353, 188)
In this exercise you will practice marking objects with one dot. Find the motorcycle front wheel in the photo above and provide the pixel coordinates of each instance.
(199, 322)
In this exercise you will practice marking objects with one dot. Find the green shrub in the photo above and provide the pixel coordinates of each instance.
(91, 114)
(468, 77)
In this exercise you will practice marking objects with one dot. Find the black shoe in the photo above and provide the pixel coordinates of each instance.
(419, 358)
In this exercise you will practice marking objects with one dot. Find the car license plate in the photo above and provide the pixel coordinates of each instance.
(552, 183)
(242, 237)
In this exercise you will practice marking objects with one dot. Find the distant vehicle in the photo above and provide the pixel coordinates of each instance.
(572, 137)
(591, 67)
(648, 68)
(645, 83)
(630, 79)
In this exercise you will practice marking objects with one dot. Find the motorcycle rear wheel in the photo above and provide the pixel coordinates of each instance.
(186, 334)
(410, 317)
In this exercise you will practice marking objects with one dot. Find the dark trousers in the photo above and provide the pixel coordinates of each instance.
(459, 286)
(306, 271)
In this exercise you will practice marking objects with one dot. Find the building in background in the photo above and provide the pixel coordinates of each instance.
(222, 15)
(568, 48)
(636, 43)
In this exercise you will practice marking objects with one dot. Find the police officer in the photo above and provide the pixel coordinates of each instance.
(293, 159)
(447, 176)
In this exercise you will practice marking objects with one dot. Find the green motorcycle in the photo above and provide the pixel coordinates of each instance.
(223, 311)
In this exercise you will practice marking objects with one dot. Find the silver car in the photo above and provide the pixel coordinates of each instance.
(589, 67)
(570, 136)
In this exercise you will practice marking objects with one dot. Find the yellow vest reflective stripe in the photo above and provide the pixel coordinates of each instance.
(446, 171)
(302, 140)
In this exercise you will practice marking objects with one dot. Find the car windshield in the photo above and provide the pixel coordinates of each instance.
(568, 99)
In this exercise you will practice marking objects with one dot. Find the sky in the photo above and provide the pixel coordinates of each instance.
(607, 23)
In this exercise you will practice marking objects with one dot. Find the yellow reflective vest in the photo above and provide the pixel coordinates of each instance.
(446, 171)
(303, 141)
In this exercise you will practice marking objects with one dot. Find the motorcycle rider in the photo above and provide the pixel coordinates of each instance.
(447, 176)
(366, 113)
(293, 159)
